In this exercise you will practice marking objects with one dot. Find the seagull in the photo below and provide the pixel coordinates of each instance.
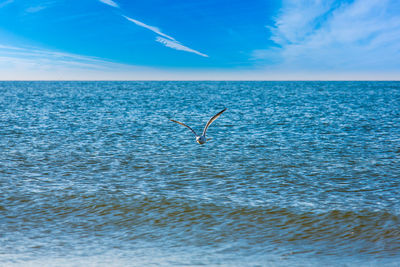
(201, 139)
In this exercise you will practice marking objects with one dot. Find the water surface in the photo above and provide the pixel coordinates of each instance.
(296, 174)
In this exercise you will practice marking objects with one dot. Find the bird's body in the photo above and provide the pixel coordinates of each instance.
(201, 139)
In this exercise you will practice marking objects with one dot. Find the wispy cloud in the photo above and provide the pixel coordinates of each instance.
(42, 6)
(151, 28)
(168, 41)
(110, 3)
(35, 9)
(339, 36)
(29, 63)
(14, 55)
(176, 45)
(4, 3)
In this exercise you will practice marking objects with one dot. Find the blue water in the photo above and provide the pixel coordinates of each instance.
(296, 174)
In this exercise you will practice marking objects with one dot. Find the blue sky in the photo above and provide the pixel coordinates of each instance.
(199, 39)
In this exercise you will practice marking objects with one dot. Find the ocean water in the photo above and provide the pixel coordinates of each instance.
(296, 174)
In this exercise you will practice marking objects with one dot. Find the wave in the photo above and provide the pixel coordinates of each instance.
(186, 221)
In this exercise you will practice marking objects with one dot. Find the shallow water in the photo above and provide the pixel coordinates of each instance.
(296, 173)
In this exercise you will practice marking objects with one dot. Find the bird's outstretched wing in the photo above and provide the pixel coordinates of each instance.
(185, 126)
(213, 118)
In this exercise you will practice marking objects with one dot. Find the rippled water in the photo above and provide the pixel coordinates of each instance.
(296, 174)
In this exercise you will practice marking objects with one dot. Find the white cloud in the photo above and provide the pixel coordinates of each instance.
(35, 9)
(297, 20)
(151, 28)
(110, 3)
(332, 36)
(29, 63)
(176, 45)
(20, 57)
(168, 41)
(4, 3)
(21, 63)
(8, 47)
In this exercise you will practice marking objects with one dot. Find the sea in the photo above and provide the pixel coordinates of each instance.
(293, 174)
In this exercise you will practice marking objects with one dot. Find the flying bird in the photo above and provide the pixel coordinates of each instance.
(201, 139)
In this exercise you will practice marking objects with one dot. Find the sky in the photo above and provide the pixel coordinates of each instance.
(199, 40)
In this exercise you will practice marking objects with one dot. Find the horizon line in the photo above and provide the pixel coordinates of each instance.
(205, 80)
